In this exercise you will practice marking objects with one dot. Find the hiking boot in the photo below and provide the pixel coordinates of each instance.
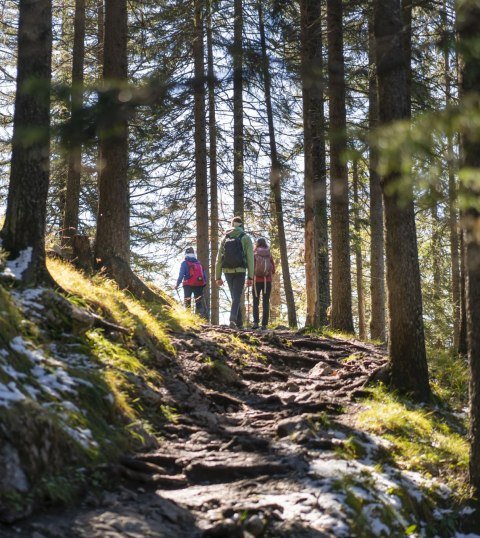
(263, 328)
(233, 325)
(254, 326)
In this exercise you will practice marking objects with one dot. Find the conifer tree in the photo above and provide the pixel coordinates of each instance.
(24, 228)
(341, 313)
(406, 332)
(72, 195)
(468, 24)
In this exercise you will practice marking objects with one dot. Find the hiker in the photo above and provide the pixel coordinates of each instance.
(264, 269)
(194, 279)
(235, 259)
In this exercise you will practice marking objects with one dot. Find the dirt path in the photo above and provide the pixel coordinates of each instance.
(252, 449)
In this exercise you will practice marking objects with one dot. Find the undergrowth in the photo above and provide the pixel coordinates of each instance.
(84, 395)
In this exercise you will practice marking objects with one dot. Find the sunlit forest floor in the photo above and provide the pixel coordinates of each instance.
(126, 419)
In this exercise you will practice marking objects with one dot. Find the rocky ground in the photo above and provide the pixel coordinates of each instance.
(259, 444)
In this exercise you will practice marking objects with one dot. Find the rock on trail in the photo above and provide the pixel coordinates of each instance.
(258, 420)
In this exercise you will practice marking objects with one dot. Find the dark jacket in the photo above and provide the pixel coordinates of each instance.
(247, 251)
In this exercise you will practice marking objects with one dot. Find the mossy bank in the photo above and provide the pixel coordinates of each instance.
(79, 384)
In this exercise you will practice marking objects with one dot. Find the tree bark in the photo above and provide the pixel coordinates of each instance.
(362, 328)
(341, 314)
(317, 269)
(435, 254)
(276, 177)
(238, 134)
(24, 228)
(113, 233)
(407, 8)
(201, 183)
(452, 198)
(377, 247)
(406, 332)
(100, 34)
(212, 131)
(72, 196)
(462, 344)
(468, 24)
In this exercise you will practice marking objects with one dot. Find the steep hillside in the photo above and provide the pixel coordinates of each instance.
(147, 423)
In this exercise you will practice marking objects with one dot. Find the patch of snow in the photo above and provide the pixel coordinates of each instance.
(337, 434)
(361, 493)
(15, 268)
(9, 394)
(29, 299)
(32, 391)
(10, 371)
(54, 381)
(83, 436)
(378, 527)
(471, 535)
(468, 510)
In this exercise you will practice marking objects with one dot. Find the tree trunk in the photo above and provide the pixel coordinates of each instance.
(406, 333)
(113, 233)
(468, 24)
(436, 253)
(100, 34)
(407, 6)
(212, 131)
(362, 328)
(462, 344)
(72, 196)
(201, 184)
(377, 263)
(238, 134)
(317, 269)
(112, 241)
(452, 199)
(341, 314)
(24, 228)
(276, 177)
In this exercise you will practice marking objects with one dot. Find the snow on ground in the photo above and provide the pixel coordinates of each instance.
(9, 393)
(15, 268)
(47, 382)
(29, 299)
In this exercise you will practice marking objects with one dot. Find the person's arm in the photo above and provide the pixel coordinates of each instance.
(181, 274)
(248, 249)
(218, 263)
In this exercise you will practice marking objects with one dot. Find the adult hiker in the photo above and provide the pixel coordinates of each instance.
(194, 279)
(264, 269)
(235, 259)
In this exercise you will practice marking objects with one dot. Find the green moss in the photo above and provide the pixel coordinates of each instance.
(10, 318)
(351, 448)
(449, 376)
(423, 438)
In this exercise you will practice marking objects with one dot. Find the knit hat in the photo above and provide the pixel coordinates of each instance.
(237, 221)
(189, 250)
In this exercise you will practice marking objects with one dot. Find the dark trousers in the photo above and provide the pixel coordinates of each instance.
(197, 292)
(264, 289)
(236, 282)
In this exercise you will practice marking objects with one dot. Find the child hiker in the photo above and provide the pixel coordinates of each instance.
(264, 269)
(194, 279)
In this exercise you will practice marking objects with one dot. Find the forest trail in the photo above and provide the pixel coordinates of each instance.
(250, 446)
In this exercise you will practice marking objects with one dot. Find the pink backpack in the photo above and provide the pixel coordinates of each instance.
(195, 275)
(263, 262)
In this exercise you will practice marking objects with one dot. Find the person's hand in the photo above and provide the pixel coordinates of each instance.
(219, 282)
(249, 282)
